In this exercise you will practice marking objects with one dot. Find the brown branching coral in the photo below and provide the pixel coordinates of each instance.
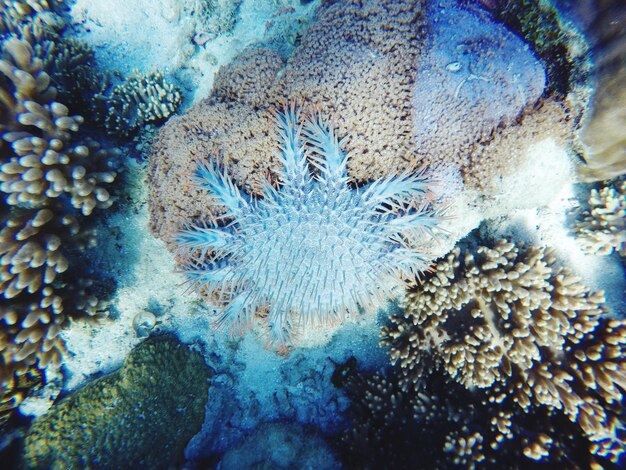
(601, 228)
(49, 179)
(25, 8)
(514, 321)
(43, 162)
(442, 424)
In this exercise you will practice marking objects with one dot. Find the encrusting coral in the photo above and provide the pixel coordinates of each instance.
(601, 228)
(514, 321)
(314, 248)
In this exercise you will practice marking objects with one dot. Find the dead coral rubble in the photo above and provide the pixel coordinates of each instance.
(513, 321)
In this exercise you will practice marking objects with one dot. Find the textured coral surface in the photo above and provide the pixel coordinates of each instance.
(314, 248)
(50, 179)
(601, 228)
(141, 416)
(363, 64)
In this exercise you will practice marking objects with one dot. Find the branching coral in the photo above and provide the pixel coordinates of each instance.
(444, 425)
(601, 228)
(21, 9)
(140, 99)
(43, 163)
(49, 180)
(514, 321)
(315, 247)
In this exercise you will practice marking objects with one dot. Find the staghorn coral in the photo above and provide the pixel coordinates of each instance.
(16, 391)
(315, 247)
(140, 99)
(156, 399)
(71, 65)
(25, 8)
(37, 299)
(512, 320)
(601, 227)
(43, 162)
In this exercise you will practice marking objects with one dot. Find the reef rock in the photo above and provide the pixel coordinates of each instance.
(280, 446)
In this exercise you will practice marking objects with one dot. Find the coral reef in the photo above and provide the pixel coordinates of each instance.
(50, 180)
(558, 45)
(360, 63)
(314, 248)
(138, 100)
(513, 321)
(603, 134)
(280, 446)
(485, 70)
(604, 152)
(155, 401)
(601, 227)
(250, 77)
(23, 9)
(212, 18)
(444, 425)
(16, 392)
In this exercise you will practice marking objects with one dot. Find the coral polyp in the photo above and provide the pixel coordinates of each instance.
(313, 249)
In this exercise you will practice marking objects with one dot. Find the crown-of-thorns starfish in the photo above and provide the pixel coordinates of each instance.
(315, 249)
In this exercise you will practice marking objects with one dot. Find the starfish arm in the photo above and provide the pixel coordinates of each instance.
(327, 156)
(295, 172)
(221, 186)
(396, 189)
(205, 239)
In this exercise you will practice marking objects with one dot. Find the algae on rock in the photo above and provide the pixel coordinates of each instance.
(155, 401)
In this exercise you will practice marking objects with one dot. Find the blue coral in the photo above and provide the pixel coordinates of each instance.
(314, 249)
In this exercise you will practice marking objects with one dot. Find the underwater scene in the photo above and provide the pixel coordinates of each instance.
(312, 234)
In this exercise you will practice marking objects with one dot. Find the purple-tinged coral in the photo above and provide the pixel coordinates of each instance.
(359, 61)
(315, 247)
(475, 75)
